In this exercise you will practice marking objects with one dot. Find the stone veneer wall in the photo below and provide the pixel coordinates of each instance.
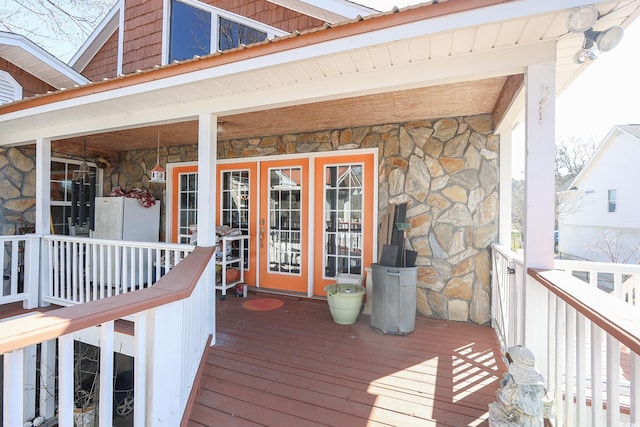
(447, 172)
(17, 189)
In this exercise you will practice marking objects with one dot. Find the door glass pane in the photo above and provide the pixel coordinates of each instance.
(343, 218)
(235, 205)
(285, 252)
(188, 209)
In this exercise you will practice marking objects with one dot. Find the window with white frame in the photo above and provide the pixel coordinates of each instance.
(199, 29)
(10, 89)
(612, 200)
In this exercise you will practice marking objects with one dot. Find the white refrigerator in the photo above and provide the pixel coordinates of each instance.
(123, 218)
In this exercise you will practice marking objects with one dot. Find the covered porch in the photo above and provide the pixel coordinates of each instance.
(464, 81)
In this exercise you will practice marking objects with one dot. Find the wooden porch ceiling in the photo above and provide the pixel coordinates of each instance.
(457, 99)
(295, 366)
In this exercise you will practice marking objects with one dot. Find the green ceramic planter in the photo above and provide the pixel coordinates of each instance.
(345, 302)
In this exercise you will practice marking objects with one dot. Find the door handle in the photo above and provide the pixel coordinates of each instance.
(262, 237)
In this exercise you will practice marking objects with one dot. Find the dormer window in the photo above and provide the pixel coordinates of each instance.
(10, 89)
(200, 29)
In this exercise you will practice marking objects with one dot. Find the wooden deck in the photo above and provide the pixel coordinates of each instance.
(295, 367)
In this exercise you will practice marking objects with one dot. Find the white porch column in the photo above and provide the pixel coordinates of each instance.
(539, 200)
(43, 186)
(506, 168)
(39, 277)
(207, 158)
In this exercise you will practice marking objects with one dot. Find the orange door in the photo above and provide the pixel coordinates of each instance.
(237, 200)
(343, 222)
(283, 225)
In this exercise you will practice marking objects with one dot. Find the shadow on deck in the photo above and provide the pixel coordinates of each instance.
(294, 366)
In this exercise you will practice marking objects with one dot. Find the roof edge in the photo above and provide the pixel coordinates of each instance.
(269, 47)
(332, 11)
(42, 55)
(97, 39)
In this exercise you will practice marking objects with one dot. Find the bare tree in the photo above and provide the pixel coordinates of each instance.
(572, 155)
(614, 247)
(49, 22)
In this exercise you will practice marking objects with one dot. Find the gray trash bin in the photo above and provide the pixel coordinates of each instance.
(394, 299)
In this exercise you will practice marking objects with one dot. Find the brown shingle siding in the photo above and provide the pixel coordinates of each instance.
(104, 63)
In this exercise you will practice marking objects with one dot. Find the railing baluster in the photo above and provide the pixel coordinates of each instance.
(105, 407)
(14, 267)
(103, 273)
(552, 344)
(559, 359)
(30, 372)
(47, 378)
(140, 369)
(77, 296)
(65, 380)
(635, 389)
(140, 268)
(613, 381)
(597, 413)
(67, 269)
(95, 263)
(54, 280)
(110, 277)
(570, 363)
(581, 380)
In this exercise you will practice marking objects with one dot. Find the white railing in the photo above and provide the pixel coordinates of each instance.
(507, 295)
(590, 354)
(623, 280)
(18, 282)
(84, 269)
(172, 329)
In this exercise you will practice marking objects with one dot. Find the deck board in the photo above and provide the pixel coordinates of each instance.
(295, 367)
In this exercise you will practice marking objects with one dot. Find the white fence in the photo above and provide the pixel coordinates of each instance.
(83, 269)
(170, 339)
(585, 340)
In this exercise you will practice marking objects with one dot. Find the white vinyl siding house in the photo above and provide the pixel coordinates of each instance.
(604, 209)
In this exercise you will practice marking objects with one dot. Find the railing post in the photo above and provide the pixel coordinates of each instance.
(164, 362)
(31, 271)
(13, 403)
(45, 273)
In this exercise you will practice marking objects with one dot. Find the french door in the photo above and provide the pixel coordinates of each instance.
(237, 207)
(283, 225)
(305, 228)
(343, 222)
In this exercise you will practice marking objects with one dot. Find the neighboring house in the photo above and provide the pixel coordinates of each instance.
(600, 217)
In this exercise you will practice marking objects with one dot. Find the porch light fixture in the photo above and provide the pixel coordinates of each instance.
(581, 20)
(158, 174)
